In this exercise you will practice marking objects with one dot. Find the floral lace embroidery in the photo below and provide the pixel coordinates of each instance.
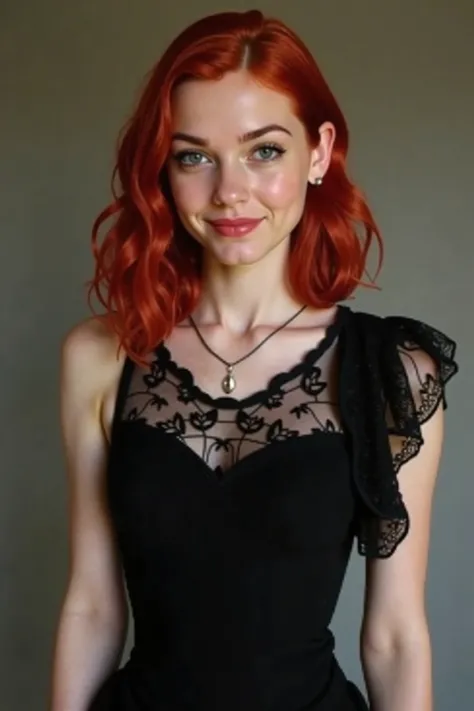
(409, 362)
(392, 374)
(165, 397)
(420, 395)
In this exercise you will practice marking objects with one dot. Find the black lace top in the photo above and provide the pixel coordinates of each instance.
(235, 518)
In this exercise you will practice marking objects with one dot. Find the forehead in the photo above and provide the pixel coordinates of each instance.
(229, 107)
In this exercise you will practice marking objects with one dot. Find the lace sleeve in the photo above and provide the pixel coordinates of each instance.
(395, 383)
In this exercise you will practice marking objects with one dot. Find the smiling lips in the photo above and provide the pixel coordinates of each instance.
(235, 228)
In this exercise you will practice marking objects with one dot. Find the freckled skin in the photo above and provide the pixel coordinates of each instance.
(228, 178)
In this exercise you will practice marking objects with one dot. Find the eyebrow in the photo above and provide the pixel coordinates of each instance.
(249, 136)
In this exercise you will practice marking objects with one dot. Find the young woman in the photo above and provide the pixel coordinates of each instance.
(230, 427)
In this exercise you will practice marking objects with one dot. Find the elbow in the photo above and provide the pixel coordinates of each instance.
(410, 640)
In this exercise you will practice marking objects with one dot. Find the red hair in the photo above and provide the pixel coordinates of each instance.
(147, 264)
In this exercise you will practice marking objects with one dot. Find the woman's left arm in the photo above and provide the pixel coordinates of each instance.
(395, 639)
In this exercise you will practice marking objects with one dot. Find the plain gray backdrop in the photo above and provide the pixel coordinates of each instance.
(403, 73)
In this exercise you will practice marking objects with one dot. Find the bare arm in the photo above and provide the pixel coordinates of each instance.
(395, 640)
(93, 620)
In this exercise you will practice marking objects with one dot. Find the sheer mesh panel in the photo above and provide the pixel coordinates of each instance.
(223, 431)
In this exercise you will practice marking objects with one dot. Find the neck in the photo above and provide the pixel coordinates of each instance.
(241, 298)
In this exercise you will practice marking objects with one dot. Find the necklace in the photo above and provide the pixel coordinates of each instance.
(229, 382)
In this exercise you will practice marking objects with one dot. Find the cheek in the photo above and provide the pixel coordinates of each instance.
(190, 192)
(281, 189)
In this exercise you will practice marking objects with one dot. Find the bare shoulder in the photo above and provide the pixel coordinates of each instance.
(90, 371)
(91, 363)
(90, 342)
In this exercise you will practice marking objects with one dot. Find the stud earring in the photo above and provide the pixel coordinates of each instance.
(317, 181)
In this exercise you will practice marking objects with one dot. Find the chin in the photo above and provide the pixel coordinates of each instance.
(238, 255)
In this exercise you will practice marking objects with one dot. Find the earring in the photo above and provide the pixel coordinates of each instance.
(317, 181)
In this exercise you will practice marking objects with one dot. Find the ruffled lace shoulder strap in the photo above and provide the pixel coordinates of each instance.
(393, 376)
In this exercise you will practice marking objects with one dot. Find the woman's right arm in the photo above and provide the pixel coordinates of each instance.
(93, 620)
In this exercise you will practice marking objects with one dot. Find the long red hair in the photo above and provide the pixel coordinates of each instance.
(147, 272)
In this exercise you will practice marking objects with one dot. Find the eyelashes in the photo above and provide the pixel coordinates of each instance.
(182, 158)
(272, 147)
(192, 158)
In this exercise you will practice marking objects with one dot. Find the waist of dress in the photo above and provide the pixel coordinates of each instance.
(238, 684)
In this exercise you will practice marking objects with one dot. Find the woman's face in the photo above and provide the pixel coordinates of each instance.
(239, 151)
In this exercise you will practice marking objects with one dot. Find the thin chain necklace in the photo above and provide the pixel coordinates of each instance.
(229, 382)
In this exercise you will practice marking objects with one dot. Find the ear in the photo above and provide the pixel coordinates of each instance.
(321, 155)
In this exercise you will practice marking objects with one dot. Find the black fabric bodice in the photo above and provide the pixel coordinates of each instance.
(235, 519)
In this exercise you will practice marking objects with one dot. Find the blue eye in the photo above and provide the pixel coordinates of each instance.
(269, 151)
(187, 158)
(193, 159)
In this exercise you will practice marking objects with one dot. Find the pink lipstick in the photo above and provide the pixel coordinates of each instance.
(235, 228)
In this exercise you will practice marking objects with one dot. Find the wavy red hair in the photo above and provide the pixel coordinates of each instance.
(147, 272)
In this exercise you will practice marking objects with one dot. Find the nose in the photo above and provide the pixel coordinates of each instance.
(231, 186)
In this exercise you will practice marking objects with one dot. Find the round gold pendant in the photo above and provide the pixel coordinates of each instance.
(228, 382)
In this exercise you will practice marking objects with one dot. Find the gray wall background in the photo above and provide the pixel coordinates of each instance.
(404, 75)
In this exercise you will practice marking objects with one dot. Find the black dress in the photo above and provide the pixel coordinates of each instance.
(235, 519)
